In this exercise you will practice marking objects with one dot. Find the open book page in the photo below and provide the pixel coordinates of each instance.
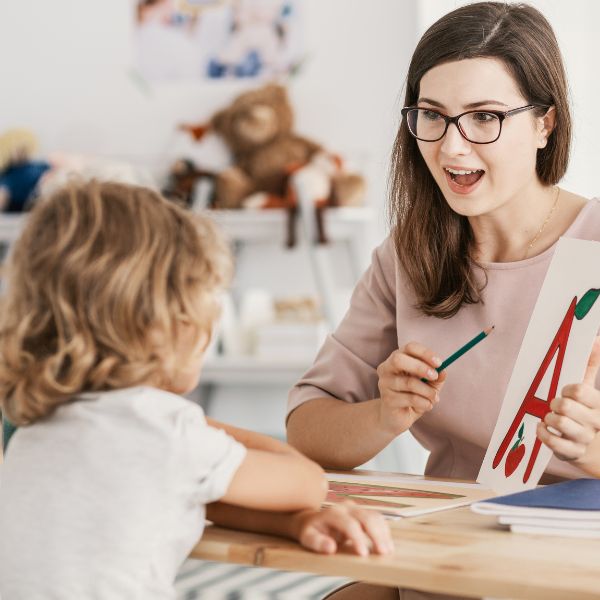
(403, 497)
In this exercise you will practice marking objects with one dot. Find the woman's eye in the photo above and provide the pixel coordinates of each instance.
(483, 117)
(430, 115)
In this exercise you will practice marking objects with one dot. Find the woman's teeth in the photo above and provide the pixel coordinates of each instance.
(459, 172)
(465, 176)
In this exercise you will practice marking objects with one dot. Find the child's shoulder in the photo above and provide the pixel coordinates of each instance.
(140, 399)
(136, 409)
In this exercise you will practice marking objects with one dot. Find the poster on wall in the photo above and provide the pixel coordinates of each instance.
(187, 40)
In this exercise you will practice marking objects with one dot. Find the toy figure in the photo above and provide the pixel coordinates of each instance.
(257, 127)
(20, 174)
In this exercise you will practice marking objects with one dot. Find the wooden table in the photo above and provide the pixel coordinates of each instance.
(454, 552)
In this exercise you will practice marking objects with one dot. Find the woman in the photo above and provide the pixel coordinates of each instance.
(476, 211)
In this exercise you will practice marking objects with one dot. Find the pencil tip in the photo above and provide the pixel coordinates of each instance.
(489, 330)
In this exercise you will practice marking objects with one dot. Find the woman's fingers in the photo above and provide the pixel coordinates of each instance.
(408, 384)
(412, 385)
(416, 360)
(564, 448)
(573, 423)
(570, 429)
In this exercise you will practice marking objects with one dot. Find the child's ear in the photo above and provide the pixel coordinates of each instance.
(546, 125)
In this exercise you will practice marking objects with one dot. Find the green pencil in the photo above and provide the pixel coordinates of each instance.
(462, 350)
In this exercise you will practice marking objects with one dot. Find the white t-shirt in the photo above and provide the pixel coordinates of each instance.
(106, 498)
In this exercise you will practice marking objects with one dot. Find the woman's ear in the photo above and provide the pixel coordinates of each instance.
(546, 125)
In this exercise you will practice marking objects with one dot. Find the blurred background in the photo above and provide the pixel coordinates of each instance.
(104, 87)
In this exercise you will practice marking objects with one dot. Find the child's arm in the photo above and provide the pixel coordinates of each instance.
(325, 531)
(251, 439)
(273, 476)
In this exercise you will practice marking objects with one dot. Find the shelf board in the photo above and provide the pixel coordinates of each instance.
(253, 370)
(246, 225)
(11, 225)
(270, 224)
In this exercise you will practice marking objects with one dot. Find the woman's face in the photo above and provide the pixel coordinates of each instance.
(499, 172)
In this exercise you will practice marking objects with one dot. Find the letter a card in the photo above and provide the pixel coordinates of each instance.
(554, 353)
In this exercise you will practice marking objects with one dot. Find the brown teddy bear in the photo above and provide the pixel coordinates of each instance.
(258, 130)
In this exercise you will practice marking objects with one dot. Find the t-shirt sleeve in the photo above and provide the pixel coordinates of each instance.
(209, 457)
(346, 365)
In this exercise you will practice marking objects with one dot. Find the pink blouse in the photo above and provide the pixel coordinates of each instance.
(381, 318)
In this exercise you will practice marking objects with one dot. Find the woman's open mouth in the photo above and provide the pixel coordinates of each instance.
(463, 181)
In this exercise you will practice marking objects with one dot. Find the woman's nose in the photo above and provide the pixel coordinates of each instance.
(453, 143)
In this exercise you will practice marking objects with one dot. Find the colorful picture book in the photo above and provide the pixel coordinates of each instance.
(403, 496)
(569, 509)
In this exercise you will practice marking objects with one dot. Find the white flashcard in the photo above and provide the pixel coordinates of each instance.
(554, 353)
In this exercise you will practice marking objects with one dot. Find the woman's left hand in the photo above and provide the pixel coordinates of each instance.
(573, 425)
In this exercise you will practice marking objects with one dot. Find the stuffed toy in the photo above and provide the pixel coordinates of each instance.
(257, 128)
(182, 180)
(20, 174)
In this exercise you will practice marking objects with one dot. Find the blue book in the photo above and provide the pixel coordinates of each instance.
(571, 508)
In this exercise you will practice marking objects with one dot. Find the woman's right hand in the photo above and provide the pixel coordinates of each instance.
(404, 398)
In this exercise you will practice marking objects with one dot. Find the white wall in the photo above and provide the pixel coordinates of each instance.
(66, 73)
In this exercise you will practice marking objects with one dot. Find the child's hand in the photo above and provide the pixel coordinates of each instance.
(341, 526)
(576, 417)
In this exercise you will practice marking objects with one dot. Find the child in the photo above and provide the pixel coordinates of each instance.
(105, 485)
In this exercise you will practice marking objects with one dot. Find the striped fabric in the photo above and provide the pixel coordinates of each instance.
(203, 580)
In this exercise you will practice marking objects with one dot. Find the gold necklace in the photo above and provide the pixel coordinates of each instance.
(541, 229)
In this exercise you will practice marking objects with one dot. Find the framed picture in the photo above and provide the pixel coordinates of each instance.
(217, 39)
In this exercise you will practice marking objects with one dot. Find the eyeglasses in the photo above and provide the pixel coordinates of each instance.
(476, 126)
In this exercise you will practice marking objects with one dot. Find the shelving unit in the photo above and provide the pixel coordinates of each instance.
(11, 225)
(249, 370)
(345, 225)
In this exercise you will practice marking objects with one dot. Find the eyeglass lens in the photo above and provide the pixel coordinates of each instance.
(479, 127)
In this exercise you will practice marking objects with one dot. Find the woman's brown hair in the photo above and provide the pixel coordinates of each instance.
(433, 243)
(97, 286)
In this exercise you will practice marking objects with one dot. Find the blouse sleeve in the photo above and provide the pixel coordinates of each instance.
(346, 365)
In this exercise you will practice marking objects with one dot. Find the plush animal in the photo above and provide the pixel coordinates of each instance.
(20, 174)
(258, 130)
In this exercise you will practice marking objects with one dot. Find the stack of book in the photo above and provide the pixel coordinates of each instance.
(570, 509)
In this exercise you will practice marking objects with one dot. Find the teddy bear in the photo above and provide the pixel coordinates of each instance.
(257, 128)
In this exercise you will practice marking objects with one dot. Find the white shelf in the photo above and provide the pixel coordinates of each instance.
(251, 370)
(11, 225)
(271, 224)
(245, 225)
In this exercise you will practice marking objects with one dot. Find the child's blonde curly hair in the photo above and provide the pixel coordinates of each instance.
(100, 273)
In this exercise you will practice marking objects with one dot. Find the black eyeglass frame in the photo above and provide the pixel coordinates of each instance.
(501, 114)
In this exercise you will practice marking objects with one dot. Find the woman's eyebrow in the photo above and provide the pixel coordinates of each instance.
(466, 106)
(485, 103)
